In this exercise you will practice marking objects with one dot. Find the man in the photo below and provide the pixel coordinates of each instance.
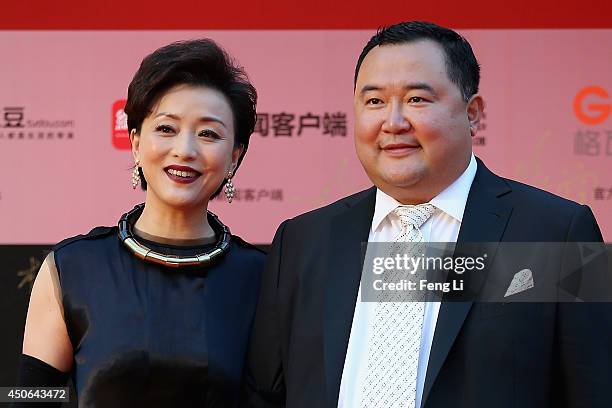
(316, 344)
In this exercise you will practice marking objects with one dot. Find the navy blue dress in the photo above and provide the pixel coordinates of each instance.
(149, 335)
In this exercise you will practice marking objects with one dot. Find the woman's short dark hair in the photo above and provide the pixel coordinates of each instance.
(199, 63)
(462, 67)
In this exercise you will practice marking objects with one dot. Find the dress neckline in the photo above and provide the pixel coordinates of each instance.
(175, 241)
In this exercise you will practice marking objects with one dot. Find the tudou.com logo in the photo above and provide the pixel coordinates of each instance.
(120, 134)
(592, 105)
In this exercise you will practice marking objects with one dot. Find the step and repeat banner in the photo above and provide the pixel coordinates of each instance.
(65, 159)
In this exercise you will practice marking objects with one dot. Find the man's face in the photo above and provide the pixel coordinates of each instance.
(412, 126)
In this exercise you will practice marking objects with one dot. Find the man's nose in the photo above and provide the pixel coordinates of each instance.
(396, 120)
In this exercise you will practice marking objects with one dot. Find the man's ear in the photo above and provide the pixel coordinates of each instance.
(475, 109)
(135, 142)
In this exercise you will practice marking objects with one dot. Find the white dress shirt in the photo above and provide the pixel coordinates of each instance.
(443, 226)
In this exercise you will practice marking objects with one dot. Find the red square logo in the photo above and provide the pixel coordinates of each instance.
(121, 135)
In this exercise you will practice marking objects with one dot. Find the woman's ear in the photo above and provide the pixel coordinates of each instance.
(236, 153)
(135, 142)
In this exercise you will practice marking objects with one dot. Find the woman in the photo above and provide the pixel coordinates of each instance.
(157, 310)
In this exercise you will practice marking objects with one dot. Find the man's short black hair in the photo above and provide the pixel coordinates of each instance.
(198, 63)
(461, 65)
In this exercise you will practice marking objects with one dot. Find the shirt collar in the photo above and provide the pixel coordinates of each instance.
(451, 200)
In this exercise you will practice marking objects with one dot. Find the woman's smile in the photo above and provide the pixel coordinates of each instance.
(182, 174)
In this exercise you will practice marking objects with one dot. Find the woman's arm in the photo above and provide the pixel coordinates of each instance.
(47, 352)
(46, 337)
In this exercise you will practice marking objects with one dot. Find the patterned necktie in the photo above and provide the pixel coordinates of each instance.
(395, 338)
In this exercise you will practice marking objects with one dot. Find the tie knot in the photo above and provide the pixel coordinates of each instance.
(414, 215)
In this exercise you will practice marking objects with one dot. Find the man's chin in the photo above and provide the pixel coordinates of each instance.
(403, 187)
(401, 183)
(397, 187)
(405, 177)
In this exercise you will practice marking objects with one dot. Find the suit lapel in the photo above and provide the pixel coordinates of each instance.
(485, 218)
(349, 230)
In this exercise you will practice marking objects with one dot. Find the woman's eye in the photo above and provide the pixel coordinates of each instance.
(164, 129)
(208, 133)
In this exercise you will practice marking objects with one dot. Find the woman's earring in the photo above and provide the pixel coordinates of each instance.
(229, 187)
(135, 176)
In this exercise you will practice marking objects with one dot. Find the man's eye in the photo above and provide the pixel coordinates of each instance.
(416, 99)
(373, 101)
(208, 133)
(164, 129)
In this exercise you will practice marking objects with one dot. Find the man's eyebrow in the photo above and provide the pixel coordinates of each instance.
(368, 88)
(409, 87)
(420, 85)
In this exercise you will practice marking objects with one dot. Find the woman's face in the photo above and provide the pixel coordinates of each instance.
(186, 146)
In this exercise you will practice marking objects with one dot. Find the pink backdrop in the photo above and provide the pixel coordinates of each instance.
(61, 173)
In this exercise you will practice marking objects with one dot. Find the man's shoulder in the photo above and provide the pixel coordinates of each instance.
(524, 195)
(537, 198)
(326, 213)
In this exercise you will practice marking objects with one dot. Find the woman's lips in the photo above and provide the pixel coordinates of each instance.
(181, 177)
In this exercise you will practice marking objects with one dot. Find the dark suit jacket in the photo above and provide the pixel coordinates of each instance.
(483, 355)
